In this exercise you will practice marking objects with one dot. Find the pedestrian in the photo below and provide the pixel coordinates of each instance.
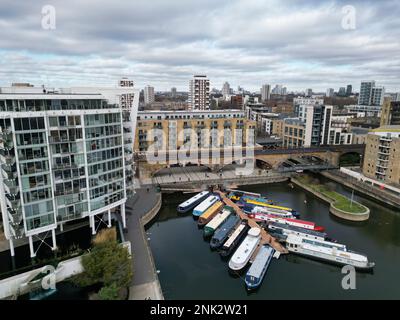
(148, 189)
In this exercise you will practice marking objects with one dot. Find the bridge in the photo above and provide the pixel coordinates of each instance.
(278, 160)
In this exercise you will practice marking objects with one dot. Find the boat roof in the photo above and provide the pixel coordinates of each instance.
(299, 229)
(259, 262)
(255, 232)
(194, 198)
(246, 247)
(205, 204)
(293, 238)
(226, 227)
(211, 210)
(234, 235)
(218, 219)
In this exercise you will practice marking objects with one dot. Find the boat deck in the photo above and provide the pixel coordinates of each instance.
(266, 238)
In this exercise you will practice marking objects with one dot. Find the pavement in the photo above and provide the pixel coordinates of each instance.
(193, 174)
(145, 282)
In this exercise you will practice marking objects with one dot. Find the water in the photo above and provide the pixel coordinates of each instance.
(190, 270)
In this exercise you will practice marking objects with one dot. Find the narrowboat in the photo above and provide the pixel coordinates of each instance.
(234, 239)
(244, 252)
(235, 195)
(218, 220)
(293, 222)
(271, 207)
(210, 213)
(250, 209)
(192, 202)
(258, 269)
(247, 198)
(222, 233)
(327, 251)
(204, 205)
(286, 230)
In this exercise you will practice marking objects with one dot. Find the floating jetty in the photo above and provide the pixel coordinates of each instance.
(266, 238)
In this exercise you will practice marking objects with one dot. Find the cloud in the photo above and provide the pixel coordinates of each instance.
(163, 43)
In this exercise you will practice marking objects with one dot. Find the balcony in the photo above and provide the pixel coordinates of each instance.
(383, 138)
(15, 216)
(7, 159)
(60, 139)
(128, 141)
(17, 231)
(12, 186)
(7, 144)
(9, 168)
(14, 199)
(66, 165)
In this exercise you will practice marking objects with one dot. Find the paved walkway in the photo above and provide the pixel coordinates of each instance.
(173, 176)
(145, 280)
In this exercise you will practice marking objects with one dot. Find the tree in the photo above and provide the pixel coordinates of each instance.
(110, 292)
(108, 263)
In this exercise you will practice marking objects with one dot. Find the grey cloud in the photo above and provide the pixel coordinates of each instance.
(297, 43)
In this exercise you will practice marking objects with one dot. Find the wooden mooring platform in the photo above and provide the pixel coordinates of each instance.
(266, 238)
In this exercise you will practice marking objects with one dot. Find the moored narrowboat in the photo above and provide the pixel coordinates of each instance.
(244, 252)
(258, 269)
(210, 213)
(223, 232)
(204, 205)
(219, 219)
(192, 202)
(234, 239)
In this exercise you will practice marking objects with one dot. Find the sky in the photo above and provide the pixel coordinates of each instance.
(163, 43)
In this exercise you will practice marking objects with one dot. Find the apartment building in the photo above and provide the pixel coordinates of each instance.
(315, 125)
(382, 154)
(199, 93)
(390, 114)
(194, 130)
(65, 155)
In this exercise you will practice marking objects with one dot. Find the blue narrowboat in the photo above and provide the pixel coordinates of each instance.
(192, 202)
(258, 269)
(223, 232)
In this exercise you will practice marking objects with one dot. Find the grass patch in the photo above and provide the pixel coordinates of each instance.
(341, 202)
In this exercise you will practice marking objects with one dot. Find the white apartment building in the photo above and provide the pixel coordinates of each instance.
(199, 93)
(378, 93)
(267, 121)
(330, 92)
(300, 105)
(65, 155)
(226, 91)
(315, 125)
(370, 94)
(149, 95)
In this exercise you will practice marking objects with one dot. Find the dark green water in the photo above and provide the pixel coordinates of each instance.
(190, 270)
